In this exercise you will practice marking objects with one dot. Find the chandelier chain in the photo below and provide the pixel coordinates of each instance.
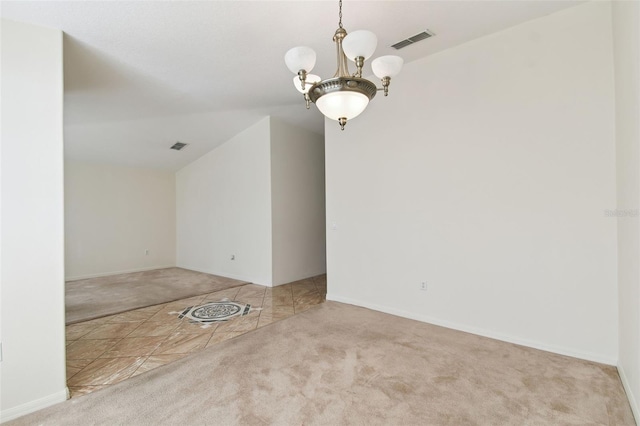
(340, 14)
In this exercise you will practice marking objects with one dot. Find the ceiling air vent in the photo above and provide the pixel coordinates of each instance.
(178, 146)
(416, 38)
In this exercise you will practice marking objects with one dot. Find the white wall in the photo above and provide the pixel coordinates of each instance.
(260, 198)
(626, 37)
(114, 214)
(32, 371)
(298, 207)
(486, 173)
(224, 208)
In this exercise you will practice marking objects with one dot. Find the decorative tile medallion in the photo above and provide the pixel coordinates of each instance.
(215, 312)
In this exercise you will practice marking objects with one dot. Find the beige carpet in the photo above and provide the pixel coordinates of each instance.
(338, 364)
(99, 297)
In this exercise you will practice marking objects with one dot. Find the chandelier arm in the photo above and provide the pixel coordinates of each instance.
(359, 64)
(343, 67)
(385, 85)
(303, 77)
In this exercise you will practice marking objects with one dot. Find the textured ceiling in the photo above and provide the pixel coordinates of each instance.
(140, 75)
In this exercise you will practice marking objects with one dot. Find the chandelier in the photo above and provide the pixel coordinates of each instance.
(345, 95)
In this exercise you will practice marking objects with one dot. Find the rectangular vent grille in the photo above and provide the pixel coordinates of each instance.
(414, 39)
(178, 146)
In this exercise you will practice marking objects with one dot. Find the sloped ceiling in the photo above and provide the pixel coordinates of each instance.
(141, 75)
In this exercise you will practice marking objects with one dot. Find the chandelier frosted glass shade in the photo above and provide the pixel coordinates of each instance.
(387, 66)
(300, 58)
(360, 43)
(339, 105)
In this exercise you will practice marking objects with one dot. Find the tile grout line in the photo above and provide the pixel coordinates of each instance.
(293, 301)
(264, 296)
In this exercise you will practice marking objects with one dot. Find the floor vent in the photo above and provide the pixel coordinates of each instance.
(178, 146)
(414, 39)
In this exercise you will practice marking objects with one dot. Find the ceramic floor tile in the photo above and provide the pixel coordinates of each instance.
(255, 302)
(278, 300)
(157, 328)
(239, 322)
(112, 330)
(242, 296)
(169, 312)
(221, 337)
(134, 316)
(111, 349)
(248, 288)
(308, 299)
(96, 322)
(89, 349)
(104, 371)
(76, 331)
(74, 366)
(320, 280)
(278, 309)
(77, 391)
(244, 324)
(188, 327)
(155, 361)
(180, 343)
(134, 346)
(72, 371)
(285, 288)
(179, 305)
(78, 363)
(304, 289)
(265, 320)
(308, 282)
(223, 294)
(150, 309)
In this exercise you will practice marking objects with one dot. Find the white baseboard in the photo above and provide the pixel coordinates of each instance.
(300, 277)
(225, 274)
(108, 274)
(633, 401)
(241, 278)
(478, 331)
(32, 406)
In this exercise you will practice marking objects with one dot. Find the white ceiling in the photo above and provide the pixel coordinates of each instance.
(140, 75)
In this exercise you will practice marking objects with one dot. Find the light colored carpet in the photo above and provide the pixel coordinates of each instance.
(338, 364)
(99, 297)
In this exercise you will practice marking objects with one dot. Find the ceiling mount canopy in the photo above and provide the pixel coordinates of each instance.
(345, 95)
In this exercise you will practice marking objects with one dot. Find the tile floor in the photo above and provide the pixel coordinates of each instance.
(107, 350)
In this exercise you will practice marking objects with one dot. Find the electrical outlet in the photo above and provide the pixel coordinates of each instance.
(423, 286)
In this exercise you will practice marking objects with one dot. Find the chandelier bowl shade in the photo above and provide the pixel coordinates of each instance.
(342, 97)
(345, 105)
(359, 43)
(387, 66)
(300, 58)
